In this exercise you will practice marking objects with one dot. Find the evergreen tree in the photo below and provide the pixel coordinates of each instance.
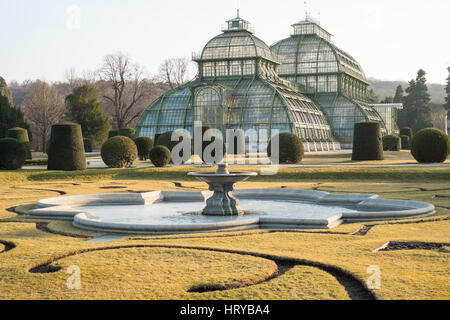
(372, 97)
(10, 116)
(388, 100)
(398, 98)
(85, 108)
(416, 113)
(447, 91)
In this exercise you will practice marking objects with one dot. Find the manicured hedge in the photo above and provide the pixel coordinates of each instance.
(392, 143)
(406, 142)
(291, 149)
(12, 154)
(367, 142)
(430, 146)
(127, 132)
(144, 146)
(119, 152)
(113, 133)
(21, 135)
(66, 150)
(407, 131)
(160, 156)
(87, 145)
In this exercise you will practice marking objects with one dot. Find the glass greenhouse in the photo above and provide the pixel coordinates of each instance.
(329, 76)
(238, 87)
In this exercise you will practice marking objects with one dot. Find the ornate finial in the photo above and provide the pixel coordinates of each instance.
(306, 10)
(238, 13)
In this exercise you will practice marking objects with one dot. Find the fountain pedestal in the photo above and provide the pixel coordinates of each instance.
(222, 183)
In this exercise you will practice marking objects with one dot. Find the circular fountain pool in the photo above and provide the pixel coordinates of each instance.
(166, 212)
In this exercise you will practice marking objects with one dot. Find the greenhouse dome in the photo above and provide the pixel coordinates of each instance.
(329, 76)
(238, 87)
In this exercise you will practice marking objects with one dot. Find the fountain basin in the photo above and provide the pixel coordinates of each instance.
(169, 212)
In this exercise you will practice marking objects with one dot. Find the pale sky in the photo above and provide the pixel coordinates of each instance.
(391, 39)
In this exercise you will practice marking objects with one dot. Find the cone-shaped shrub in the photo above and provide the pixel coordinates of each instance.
(119, 152)
(291, 148)
(392, 143)
(430, 146)
(127, 132)
(367, 142)
(66, 151)
(160, 156)
(12, 154)
(406, 143)
(144, 146)
(21, 135)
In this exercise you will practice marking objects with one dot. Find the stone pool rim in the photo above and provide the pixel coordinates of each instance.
(368, 208)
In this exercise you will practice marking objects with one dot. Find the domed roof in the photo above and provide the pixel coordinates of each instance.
(237, 41)
(310, 50)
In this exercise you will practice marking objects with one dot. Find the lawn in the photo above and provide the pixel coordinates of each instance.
(256, 264)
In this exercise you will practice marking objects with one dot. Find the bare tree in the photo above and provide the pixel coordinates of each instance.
(123, 86)
(175, 71)
(43, 107)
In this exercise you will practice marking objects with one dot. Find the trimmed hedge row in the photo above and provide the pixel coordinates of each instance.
(392, 143)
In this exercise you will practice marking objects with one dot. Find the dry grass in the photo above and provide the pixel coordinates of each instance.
(163, 273)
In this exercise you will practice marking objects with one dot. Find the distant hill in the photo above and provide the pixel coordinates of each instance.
(385, 89)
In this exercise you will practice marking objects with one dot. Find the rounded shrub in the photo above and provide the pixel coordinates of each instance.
(66, 150)
(291, 148)
(144, 146)
(12, 154)
(407, 131)
(392, 143)
(406, 142)
(430, 146)
(127, 132)
(367, 142)
(21, 135)
(113, 133)
(119, 152)
(160, 156)
(87, 145)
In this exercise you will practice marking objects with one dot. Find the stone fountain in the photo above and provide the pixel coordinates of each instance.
(222, 183)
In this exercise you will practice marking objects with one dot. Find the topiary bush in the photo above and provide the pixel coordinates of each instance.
(392, 143)
(119, 152)
(144, 146)
(430, 146)
(367, 142)
(165, 139)
(127, 132)
(66, 149)
(87, 145)
(407, 131)
(160, 156)
(21, 135)
(12, 154)
(406, 142)
(291, 148)
(113, 133)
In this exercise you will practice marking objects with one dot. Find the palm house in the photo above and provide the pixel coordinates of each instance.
(238, 87)
(329, 76)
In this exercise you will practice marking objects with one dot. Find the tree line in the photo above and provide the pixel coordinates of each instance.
(418, 110)
(113, 96)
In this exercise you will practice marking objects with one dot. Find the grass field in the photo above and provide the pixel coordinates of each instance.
(256, 264)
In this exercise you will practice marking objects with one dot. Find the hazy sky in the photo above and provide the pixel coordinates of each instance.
(391, 39)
